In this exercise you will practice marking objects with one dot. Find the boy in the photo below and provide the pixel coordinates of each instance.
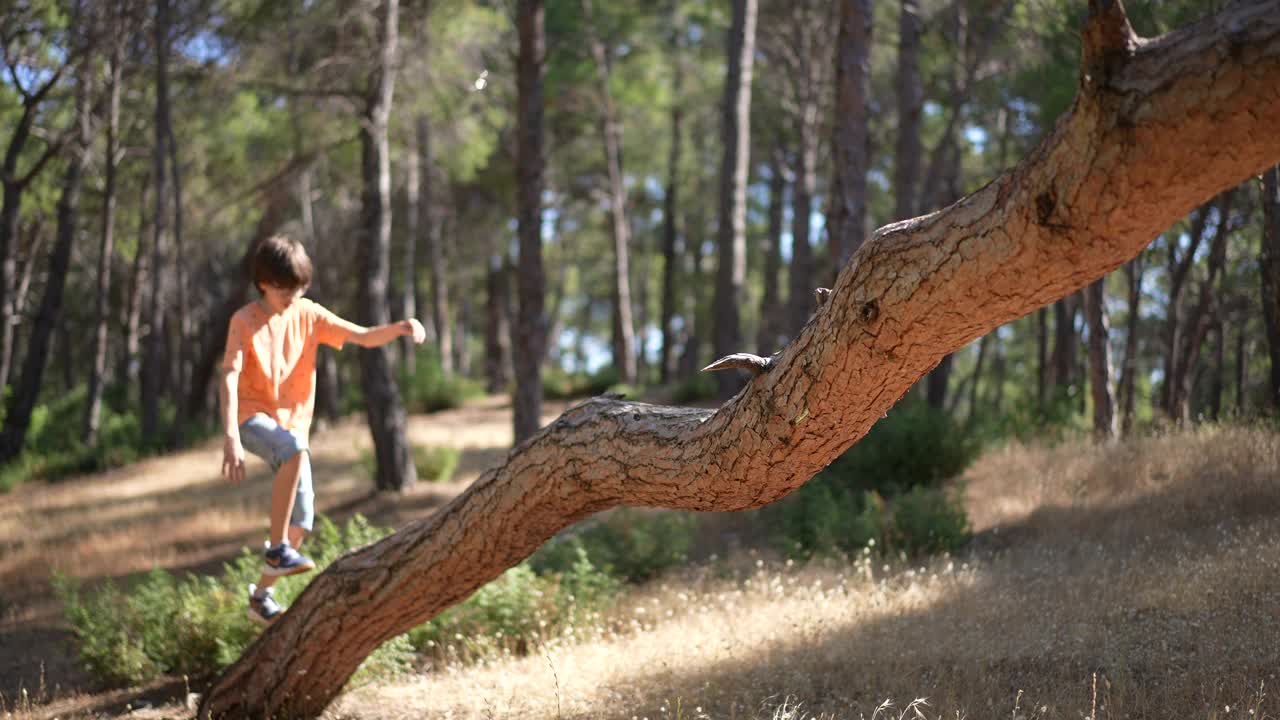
(268, 393)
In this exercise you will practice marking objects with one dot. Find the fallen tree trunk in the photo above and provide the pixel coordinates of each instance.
(1119, 168)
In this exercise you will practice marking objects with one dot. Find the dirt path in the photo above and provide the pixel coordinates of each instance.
(175, 512)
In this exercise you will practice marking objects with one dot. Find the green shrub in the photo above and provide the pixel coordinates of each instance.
(914, 445)
(512, 612)
(197, 625)
(53, 450)
(821, 518)
(434, 463)
(698, 388)
(927, 521)
(428, 389)
(633, 545)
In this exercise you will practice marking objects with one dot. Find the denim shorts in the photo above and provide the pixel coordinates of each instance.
(264, 437)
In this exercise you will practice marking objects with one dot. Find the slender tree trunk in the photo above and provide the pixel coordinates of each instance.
(847, 217)
(691, 358)
(434, 244)
(671, 208)
(1179, 268)
(153, 354)
(106, 252)
(8, 267)
(624, 334)
(409, 260)
(48, 317)
(1104, 402)
(977, 378)
(851, 364)
(131, 350)
(1001, 372)
(801, 278)
(731, 269)
(1269, 259)
(462, 335)
(1129, 367)
(1200, 320)
(1066, 343)
(1218, 378)
(395, 470)
(14, 187)
(907, 155)
(936, 384)
(771, 309)
(497, 331)
(183, 370)
(1242, 370)
(531, 324)
(1042, 358)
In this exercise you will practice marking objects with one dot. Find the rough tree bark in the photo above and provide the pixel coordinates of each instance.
(1111, 175)
(383, 406)
(735, 124)
(531, 323)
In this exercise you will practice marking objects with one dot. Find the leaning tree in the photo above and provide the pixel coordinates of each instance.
(1158, 127)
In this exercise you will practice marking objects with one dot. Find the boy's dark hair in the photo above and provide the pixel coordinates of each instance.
(281, 261)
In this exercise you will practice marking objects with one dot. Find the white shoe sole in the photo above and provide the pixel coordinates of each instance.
(285, 572)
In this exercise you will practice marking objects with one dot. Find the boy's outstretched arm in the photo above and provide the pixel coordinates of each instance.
(383, 334)
(232, 450)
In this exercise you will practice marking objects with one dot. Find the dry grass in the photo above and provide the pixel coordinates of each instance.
(1135, 581)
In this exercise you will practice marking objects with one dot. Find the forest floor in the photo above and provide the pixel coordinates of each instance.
(1139, 580)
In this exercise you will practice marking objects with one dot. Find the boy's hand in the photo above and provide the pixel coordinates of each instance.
(414, 328)
(232, 459)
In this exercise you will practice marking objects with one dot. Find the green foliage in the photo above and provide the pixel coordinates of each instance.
(428, 389)
(698, 388)
(883, 490)
(511, 613)
(53, 449)
(434, 463)
(633, 545)
(914, 445)
(196, 625)
(926, 521)
(560, 385)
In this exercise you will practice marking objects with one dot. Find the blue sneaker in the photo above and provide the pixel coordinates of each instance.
(284, 560)
(263, 608)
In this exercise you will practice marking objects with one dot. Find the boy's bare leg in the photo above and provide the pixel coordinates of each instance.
(283, 491)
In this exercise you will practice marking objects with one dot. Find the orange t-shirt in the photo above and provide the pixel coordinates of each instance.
(276, 358)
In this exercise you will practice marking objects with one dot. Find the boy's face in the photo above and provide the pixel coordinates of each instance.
(279, 298)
